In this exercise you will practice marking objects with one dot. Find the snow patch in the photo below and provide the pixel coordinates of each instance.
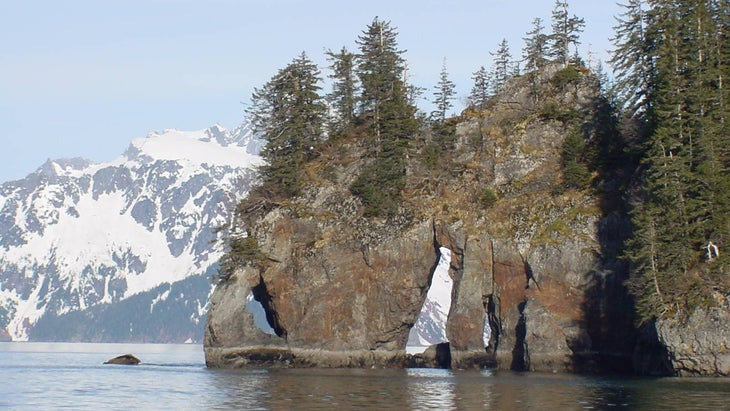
(430, 328)
(28, 312)
(161, 297)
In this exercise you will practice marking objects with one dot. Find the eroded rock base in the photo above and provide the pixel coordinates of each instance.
(274, 357)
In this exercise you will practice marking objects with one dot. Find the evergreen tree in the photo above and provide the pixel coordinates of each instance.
(385, 105)
(630, 59)
(479, 96)
(685, 159)
(502, 68)
(565, 33)
(444, 93)
(535, 51)
(343, 97)
(380, 69)
(480, 90)
(289, 114)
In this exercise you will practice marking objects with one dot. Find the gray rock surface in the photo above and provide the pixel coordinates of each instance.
(699, 345)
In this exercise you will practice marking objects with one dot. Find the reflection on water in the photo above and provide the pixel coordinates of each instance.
(431, 389)
(53, 376)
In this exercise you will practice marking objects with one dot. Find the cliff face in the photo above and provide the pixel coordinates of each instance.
(699, 345)
(533, 261)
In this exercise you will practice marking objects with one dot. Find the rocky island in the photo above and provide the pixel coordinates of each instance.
(531, 189)
(343, 290)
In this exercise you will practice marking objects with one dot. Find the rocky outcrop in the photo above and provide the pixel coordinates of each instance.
(126, 359)
(333, 296)
(534, 263)
(698, 345)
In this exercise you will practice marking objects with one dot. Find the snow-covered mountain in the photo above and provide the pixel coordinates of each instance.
(121, 251)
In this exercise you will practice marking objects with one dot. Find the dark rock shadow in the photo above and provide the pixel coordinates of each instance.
(520, 353)
(608, 308)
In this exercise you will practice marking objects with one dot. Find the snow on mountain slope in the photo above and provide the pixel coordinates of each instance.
(74, 235)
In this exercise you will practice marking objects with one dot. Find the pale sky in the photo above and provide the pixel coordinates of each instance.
(82, 78)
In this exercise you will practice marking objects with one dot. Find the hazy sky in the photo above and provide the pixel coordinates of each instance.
(81, 78)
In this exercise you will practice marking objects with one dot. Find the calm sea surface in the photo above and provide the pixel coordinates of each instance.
(36, 376)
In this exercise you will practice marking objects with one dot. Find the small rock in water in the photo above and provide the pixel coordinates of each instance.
(126, 359)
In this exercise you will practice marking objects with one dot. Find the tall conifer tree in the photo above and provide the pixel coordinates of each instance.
(444, 93)
(678, 265)
(502, 66)
(535, 51)
(380, 68)
(289, 113)
(480, 91)
(565, 33)
(385, 104)
(344, 87)
(631, 59)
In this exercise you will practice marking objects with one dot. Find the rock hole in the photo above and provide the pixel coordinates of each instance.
(259, 314)
(443, 355)
(430, 328)
(490, 335)
(261, 294)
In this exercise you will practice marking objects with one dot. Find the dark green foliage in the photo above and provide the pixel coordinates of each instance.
(488, 198)
(576, 158)
(386, 107)
(379, 186)
(431, 154)
(479, 97)
(243, 251)
(569, 75)
(481, 90)
(672, 60)
(503, 66)
(380, 70)
(631, 59)
(344, 89)
(555, 111)
(289, 114)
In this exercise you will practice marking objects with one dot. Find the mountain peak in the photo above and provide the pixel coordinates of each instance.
(213, 146)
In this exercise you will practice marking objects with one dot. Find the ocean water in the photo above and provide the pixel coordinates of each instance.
(39, 376)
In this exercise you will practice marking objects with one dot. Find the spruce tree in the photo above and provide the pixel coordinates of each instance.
(479, 96)
(502, 66)
(565, 33)
(343, 97)
(380, 68)
(631, 60)
(678, 265)
(480, 91)
(443, 94)
(385, 105)
(535, 51)
(289, 113)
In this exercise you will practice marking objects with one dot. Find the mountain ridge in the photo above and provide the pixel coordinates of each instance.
(75, 234)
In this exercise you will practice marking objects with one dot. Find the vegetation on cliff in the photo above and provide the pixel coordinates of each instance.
(655, 143)
(672, 66)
